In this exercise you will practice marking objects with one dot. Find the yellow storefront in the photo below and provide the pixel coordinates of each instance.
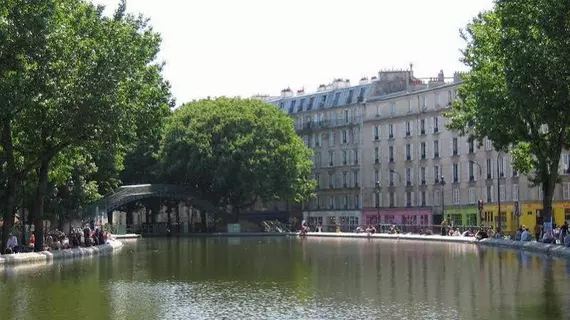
(530, 214)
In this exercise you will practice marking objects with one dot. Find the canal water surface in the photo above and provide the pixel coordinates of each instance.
(291, 278)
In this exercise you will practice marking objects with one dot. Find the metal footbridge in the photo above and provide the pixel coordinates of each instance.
(126, 194)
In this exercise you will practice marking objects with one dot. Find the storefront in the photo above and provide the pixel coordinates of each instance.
(462, 215)
(530, 215)
(346, 220)
(398, 216)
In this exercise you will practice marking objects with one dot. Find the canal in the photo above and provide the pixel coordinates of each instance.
(291, 278)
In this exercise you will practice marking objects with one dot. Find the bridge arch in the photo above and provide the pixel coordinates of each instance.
(130, 193)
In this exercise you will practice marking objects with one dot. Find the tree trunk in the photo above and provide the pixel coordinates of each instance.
(178, 214)
(7, 145)
(39, 204)
(548, 186)
(204, 222)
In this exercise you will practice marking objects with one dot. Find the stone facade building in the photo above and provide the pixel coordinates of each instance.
(383, 155)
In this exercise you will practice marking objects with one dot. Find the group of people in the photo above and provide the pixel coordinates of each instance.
(558, 234)
(57, 240)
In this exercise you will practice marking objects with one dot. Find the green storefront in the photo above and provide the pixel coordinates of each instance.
(462, 215)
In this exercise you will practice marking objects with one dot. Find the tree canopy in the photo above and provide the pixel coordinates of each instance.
(517, 92)
(80, 90)
(234, 152)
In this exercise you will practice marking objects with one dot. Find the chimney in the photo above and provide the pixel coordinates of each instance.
(286, 93)
(440, 76)
(363, 80)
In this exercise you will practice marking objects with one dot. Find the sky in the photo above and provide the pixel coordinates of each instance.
(247, 47)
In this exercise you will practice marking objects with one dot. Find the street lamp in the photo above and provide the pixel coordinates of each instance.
(377, 190)
(442, 197)
(70, 185)
(499, 192)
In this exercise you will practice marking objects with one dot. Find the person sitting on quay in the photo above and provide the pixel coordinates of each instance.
(32, 242)
(548, 237)
(563, 231)
(393, 230)
(518, 234)
(444, 227)
(370, 230)
(481, 234)
(12, 244)
(468, 233)
(359, 229)
(525, 235)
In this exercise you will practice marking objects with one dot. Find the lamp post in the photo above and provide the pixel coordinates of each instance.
(442, 197)
(499, 192)
(70, 188)
(377, 190)
(479, 194)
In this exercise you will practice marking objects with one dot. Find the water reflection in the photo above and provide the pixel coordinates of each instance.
(292, 278)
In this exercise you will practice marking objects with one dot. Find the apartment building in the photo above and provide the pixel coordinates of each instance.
(383, 155)
(418, 172)
(330, 123)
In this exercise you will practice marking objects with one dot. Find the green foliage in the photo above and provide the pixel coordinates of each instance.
(518, 90)
(235, 152)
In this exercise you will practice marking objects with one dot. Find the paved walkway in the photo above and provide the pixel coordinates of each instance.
(550, 249)
(48, 256)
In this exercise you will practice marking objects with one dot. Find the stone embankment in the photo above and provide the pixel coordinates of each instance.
(49, 256)
(532, 246)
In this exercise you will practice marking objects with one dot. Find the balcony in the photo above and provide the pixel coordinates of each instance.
(489, 176)
(391, 136)
(391, 160)
(423, 156)
(408, 158)
(408, 183)
(471, 178)
(377, 160)
(423, 182)
(436, 181)
(455, 152)
(436, 130)
(391, 183)
(408, 133)
(436, 155)
(423, 131)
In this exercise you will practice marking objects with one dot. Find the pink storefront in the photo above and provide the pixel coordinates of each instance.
(398, 216)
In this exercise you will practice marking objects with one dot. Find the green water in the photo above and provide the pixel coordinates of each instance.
(291, 278)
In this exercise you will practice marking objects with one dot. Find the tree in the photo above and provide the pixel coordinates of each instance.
(234, 152)
(93, 77)
(517, 92)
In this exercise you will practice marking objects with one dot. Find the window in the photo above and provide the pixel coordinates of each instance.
(436, 174)
(408, 152)
(502, 167)
(502, 192)
(331, 202)
(423, 126)
(345, 179)
(423, 198)
(361, 94)
(347, 116)
(437, 100)
(408, 128)
(472, 195)
(376, 177)
(377, 155)
(318, 180)
(392, 199)
(423, 175)
(455, 196)
(356, 158)
(449, 97)
(488, 144)
(409, 198)
(344, 157)
(391, 178)
(540, 193)
(410, 105)
(391, 153)
(471, 146)
(437, 198)
(356, 178)
(345, 201)
(349, 98)
(489, 169)
(455, 146)
(425, 103)
(471, 171)
(489, 194)
(331, 180)
(393, 108)
(311, 103)
(566, 163)
(514, 170)
(292, 107)
(409, 176)
(376, 132)
(331, 139)
(566, 191)
(331, 158)
(301, 104)
(455, 172)
(344, 136)
(318, 160)
(516, 192)
(377, 198)
(435, 124)
(423, 150)
(390, 131)
(356, 201)
(436, 149)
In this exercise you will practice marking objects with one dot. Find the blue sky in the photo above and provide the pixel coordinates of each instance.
(247, 47)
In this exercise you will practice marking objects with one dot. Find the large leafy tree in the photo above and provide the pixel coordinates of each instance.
(95, 78)
(517, 92)
(234, 152)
